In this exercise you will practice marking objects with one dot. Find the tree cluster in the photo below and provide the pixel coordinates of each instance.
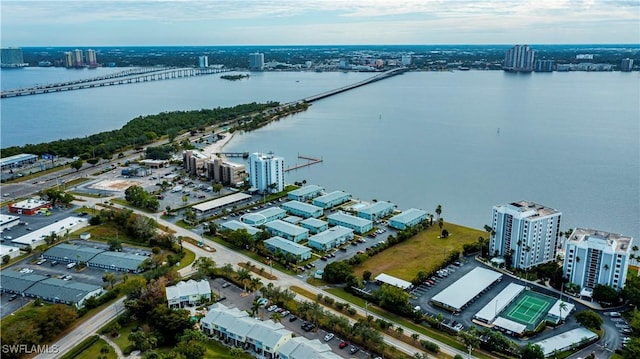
(138, 197)
(35, 329)
(139, 131)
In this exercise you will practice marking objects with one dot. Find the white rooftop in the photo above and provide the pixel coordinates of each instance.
(510, 325)
(464, 289)
(555, 310)
(188, 288)
(221, 202)
(490, 311)
(60, 227)
(391, 280)
(565, 340)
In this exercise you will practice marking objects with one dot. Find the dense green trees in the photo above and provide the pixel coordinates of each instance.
(139, 131)
(138, 197)
(337, 272)
(605, 294)
(531, 351)
(392, 298)
(589, 319)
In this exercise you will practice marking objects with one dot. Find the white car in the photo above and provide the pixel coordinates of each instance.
(272, 308)
(328, 337)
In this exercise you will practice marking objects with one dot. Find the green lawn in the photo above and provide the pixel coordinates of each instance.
(423, 252)
(94, 351)
(220, 351)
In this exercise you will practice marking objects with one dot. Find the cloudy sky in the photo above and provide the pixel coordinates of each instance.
(302, 22)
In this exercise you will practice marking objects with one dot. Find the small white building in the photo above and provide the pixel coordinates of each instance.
(189, 293)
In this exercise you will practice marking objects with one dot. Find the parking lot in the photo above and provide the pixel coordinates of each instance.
(233, 299)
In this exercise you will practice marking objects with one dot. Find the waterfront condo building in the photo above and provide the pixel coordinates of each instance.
(256, 61)
(193, 162)
(225, 172)
(519, 58)
(526, 231)
(78, 58)
(12, 57)
(92, 59)
(266, 172)
(626, 65)
(203, 62)
(595, 257)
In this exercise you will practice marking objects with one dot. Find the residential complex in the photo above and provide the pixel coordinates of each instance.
(407, 218)
(266, 172)
(330, 238)
(332, 199)
(525, 231)
(376, 210)
(189, 293)
(225, 172)
(305, 193)
(302, 209)
(287, 230)
(359, 225)
(519, 58)
(595, 257)
(288, 248)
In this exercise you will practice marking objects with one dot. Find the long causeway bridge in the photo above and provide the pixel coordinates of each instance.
(378, 77)
(120, 78)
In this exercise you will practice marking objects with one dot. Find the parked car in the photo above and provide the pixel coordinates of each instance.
(354, 349)
(293, 318)
(272, 308)
(343, 344)
(328, 337)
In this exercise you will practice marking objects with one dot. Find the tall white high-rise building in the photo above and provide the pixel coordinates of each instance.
(78, 58)
(203, 62)
(266, 172)
(519, 58)
(595, 257)
(406, 60)
(256, 61)
(526, 231)
(92, 59)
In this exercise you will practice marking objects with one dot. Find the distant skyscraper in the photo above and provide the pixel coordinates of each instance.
(544, 65)
(519, 59)
(526, 231)
(266, 172)
(203, 62)
(406, 60)
(626, 65)
(68, 59)
(77, 58)
(594, 257)
(92, 60)
(12, 57)
(256, 61)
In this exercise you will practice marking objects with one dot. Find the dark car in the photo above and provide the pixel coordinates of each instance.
(13, 297)
(354, 349)
(293, 318)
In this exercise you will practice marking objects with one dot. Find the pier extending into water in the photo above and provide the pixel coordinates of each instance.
(120, 78)
(310, 161)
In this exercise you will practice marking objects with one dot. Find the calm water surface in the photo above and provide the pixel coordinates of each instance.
(465, 140)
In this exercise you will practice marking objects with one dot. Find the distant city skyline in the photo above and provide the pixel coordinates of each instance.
(317, 22)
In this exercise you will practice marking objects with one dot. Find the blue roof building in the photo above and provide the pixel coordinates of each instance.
(278, 244)
(287, 230)
(314, 225)
(407, 218)
(332, 199)
(376, 210)
(359, 225)
(305, 193)
(330, 238)
(261, 217)
(236, 225)
(302, 209)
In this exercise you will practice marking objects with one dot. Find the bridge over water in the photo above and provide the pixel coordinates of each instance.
(119, 78)
(378, 77)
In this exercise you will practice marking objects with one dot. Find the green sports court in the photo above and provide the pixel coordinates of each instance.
(529, 309)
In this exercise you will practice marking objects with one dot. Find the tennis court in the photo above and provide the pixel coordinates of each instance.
(529, 309)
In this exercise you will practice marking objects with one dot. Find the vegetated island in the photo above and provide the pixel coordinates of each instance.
(234, 77)
(144, 130)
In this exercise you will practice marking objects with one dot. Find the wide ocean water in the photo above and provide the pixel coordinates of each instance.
(465, 140)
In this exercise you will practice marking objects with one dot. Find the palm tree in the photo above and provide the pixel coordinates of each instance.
(439, 211)
(276, 317)
(562, 307)
(254, 283)
(227, 269)
(244, 276)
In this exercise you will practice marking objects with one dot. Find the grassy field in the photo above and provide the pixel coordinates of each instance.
(219, 351)
(423, 252)
(94, 351)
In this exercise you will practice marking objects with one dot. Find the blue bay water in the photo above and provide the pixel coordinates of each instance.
(465, 140)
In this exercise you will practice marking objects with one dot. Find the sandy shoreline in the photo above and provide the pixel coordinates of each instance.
(217, 147)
